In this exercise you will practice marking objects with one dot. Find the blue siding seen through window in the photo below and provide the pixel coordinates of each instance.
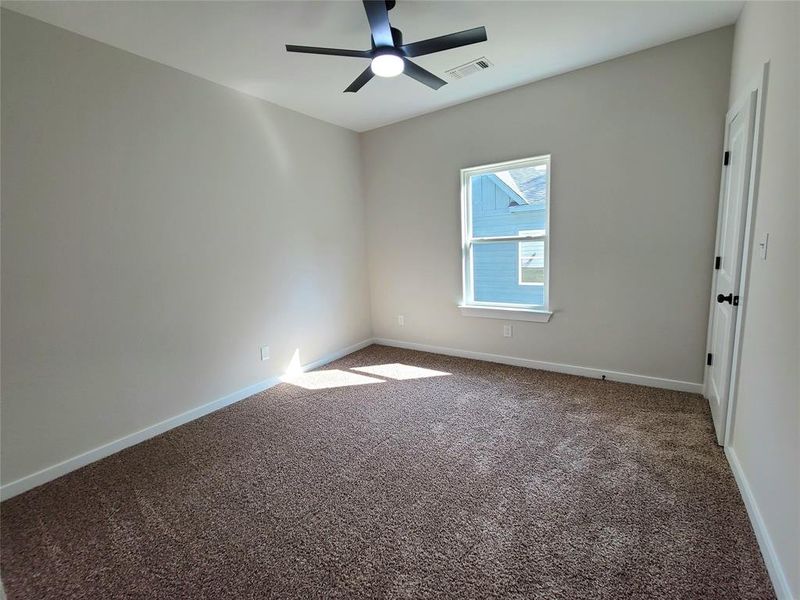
(495, 274)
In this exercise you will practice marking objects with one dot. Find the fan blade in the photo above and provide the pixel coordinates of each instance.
(416, 72)
(446, 42)
(378, 17)
(330, 51)
(360, 80)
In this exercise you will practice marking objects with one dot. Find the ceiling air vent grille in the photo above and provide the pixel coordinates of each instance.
(470, 68)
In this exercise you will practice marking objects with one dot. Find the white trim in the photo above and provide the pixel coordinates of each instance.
(33, 480)
(503, 312)
(507, 165)
(729, 207)
(759, 86)
(646, 380)
(778, 576)
(510, 238)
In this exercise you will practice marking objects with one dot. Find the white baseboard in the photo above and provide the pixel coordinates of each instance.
(76, 462)
(62, 468)
(657, 382)
(776, 572)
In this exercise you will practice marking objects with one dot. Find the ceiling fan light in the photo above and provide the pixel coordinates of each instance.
(387, 65)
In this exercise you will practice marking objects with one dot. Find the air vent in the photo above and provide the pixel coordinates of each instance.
(470, 68)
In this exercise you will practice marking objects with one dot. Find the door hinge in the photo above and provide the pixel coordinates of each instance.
(717, 263)
(709, 359)
(736, 300)
(726, 158)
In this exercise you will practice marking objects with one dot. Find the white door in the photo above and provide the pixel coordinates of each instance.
(734, 191)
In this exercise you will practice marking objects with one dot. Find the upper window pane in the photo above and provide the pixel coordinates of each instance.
(505, 202)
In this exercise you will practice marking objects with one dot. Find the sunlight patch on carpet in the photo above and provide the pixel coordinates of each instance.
(400, 371)
(331, 378)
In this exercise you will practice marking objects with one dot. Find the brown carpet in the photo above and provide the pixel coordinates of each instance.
(490, 482)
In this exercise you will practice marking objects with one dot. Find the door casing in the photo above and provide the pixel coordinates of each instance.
(757, 89)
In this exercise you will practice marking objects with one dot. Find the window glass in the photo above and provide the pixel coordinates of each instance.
(531, 262)
(504, 202)
(506, 233)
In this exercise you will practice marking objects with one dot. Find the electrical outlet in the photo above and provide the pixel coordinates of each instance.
(507, 331)
(264, 352)
(401, 320)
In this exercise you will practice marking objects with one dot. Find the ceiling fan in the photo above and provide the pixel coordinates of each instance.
(389, 56)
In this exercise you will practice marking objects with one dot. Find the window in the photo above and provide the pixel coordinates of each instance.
(505, 227)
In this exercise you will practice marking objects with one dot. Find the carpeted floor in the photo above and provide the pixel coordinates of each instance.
(489, 482)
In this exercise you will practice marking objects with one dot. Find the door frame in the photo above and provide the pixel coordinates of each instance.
(756, 87)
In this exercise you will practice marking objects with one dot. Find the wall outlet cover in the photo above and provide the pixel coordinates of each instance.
(264, 352)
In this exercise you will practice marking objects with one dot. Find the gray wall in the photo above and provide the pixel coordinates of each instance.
(766, 429)
(156, 230)
(635, 145)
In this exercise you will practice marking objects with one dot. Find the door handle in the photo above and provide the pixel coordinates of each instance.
(728, 298)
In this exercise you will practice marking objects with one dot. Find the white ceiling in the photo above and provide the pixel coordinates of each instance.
(241, 44)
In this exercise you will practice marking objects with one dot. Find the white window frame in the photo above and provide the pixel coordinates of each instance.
(498, 310)
(519, 258)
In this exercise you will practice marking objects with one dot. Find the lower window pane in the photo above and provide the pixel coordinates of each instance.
(496, 275)
(531, 275)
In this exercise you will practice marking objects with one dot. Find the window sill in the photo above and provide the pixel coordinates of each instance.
(508, 314)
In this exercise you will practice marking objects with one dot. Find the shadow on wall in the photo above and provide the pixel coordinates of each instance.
(276, 144)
